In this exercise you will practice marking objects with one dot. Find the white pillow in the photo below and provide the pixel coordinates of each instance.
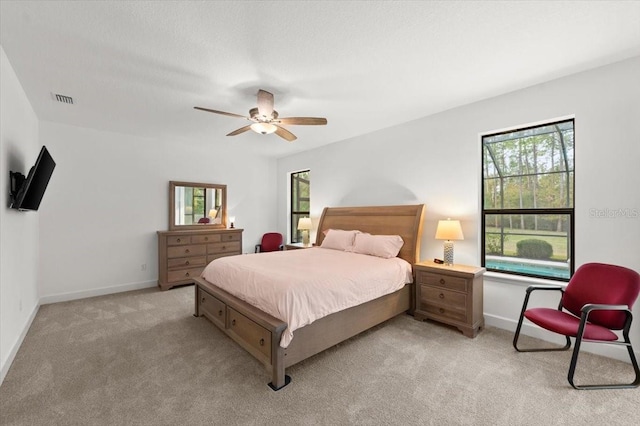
(338, 239)
(385, 246)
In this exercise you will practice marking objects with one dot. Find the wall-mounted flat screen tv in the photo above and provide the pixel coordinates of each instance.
(29, 195)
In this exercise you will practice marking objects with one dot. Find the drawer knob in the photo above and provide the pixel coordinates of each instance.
(178, 240)
(261, 342)
(186, 251)
(224, 247)
(206, 238)
(220, 313)
(187, 274)
(441, 296)
(441, 310)
(442, 281)
(203, 299)
(186, 263)
(233, 322)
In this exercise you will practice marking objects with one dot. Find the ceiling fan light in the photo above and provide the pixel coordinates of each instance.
(263, 128)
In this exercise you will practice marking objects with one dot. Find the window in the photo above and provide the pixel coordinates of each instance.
(300, 202)
(528, 201)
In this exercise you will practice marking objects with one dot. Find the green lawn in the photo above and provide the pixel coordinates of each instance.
(558, 241)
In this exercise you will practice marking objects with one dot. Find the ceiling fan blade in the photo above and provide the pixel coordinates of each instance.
(285, 134)
(265, 103)
(240, 130)
(230, 114)
(306, 121)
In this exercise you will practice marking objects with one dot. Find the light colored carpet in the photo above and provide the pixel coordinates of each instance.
(141, 358)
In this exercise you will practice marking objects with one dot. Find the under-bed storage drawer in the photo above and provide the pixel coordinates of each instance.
(257, 338)
(212, 308)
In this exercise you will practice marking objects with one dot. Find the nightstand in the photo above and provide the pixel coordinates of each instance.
(296, 246)
(450, 295)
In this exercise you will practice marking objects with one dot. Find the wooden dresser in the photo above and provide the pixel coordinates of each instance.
(182, 255)
(451, 295)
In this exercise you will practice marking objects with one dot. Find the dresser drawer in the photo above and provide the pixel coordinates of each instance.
(184, 274)
(186, 262)
(442, 297)
(224, 247)
(206, 238)
(257, 337)
(446, 281)
(187, 251)
(232, 236)
(213, 309)
(178, 240)
(445, 312)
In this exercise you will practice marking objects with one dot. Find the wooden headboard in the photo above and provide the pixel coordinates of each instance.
(405, 221)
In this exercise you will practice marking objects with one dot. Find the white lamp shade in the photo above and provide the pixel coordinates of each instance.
(213, 213)
(304, 224)
(449, 230)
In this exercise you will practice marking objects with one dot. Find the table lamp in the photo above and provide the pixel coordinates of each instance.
(304, 225)
(449, 230)
(212, 214)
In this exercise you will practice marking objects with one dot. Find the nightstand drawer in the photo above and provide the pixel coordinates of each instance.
(442, 297)
(446, 312)
(446, 281)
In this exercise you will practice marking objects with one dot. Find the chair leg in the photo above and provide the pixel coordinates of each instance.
(574, 362)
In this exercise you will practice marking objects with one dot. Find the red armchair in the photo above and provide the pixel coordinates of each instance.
(596, 302)
(271, 241)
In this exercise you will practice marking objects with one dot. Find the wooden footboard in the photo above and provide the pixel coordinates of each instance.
(259, 333)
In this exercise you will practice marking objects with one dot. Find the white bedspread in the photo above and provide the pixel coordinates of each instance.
(301, 286)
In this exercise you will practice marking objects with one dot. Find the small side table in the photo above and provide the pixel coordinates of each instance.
(297, 246)
(451, 295)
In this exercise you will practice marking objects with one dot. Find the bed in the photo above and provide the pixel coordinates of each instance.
(262, 334)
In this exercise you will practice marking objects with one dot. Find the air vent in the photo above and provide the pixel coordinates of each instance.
(64, 99)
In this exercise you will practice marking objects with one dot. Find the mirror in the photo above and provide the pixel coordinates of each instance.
(197, 205)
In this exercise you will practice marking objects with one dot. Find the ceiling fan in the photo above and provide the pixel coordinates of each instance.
(265, 119)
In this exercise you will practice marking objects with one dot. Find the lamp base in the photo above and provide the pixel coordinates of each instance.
(448, 253)
(305, 238)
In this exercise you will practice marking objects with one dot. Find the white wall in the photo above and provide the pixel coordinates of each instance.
(109, 195)
(19, 147)
(436, 161)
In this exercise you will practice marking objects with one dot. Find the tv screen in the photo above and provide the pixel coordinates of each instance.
(30, 194)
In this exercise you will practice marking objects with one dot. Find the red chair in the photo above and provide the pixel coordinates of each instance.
(271, 241)
(597, 300)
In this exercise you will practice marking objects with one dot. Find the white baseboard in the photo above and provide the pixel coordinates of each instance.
(4, 369)
(611, 351)
(65, 297)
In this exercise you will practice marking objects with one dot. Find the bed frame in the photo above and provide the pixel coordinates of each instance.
(259, 333)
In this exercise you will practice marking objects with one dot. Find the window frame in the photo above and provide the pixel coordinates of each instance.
(568, 211)
(294, 211)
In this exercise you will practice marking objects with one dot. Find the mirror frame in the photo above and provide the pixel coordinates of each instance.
(172, 202)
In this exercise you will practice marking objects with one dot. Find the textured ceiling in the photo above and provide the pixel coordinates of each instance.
(139, 67)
